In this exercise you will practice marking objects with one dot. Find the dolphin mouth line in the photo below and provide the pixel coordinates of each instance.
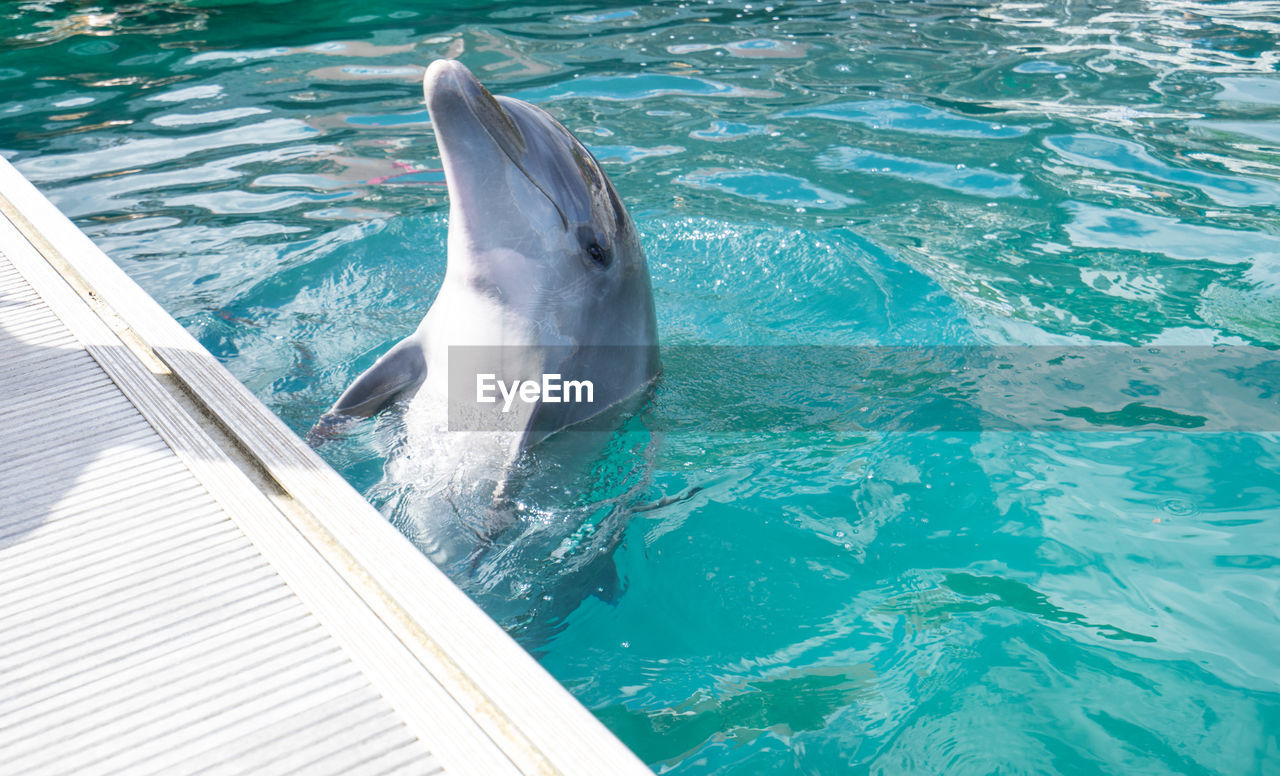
(564, 220)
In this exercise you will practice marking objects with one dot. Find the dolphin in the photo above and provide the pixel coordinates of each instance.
(545, 276)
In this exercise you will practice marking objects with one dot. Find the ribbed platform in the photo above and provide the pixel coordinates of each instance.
(186, 588)
(141, 631)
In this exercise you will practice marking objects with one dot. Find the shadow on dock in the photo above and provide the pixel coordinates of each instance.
(70, 443)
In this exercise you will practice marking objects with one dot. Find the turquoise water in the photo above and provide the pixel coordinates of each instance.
(802, 596)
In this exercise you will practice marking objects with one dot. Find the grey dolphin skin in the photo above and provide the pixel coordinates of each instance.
(544, 265)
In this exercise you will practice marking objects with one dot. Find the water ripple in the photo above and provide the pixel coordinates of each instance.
(152, 151)
(774, 188)
(1104, 153)
(636, 87)
(954, 177)
(904, 116)
(1095, 227)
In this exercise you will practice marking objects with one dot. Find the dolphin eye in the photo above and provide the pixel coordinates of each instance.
(598, 255)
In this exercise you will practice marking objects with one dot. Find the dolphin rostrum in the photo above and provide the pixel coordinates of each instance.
(545, 276)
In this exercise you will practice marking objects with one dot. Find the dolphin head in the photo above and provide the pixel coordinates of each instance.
(533, 221)
(542, 254)
(543, 260)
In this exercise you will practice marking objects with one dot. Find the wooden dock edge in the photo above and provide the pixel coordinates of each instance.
(529, 716)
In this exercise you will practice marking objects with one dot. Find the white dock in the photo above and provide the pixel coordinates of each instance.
(185, 587)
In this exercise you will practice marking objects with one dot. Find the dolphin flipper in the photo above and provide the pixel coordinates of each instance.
(400, 369)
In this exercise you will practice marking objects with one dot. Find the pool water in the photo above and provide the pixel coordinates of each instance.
(783, 590)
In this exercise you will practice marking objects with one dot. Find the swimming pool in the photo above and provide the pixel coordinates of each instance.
(837, 184)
